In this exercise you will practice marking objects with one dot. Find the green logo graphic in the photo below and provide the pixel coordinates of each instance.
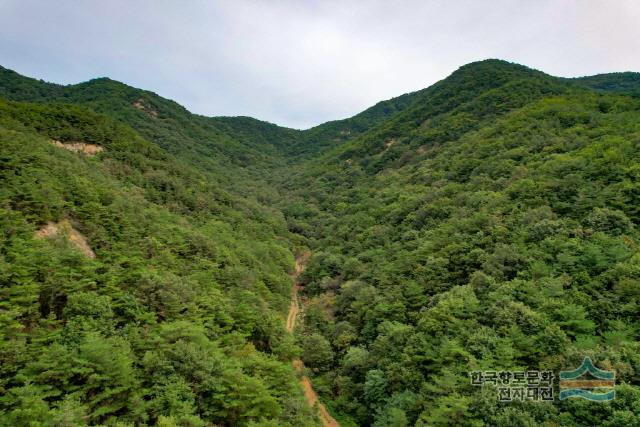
(597, 385)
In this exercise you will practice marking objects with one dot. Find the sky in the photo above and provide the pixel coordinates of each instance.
(301, 63)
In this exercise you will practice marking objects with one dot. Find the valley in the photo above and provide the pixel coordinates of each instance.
(152, 260)
(294, 309)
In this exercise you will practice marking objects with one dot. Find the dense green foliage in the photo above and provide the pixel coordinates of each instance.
(236, 159)
(331, 134)
(177, 320)
(488, 222)
(624, 83)
(497, 232)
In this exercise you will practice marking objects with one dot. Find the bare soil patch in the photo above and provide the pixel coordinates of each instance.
(65, 229)
(80, 147)
(141, 105)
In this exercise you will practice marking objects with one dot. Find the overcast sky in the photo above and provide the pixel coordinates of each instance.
(300, 63)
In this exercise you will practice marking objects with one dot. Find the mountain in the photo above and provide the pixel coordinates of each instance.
(490, 226)
(486, 223)
(134, 287)
(210, 144)
(623, 83)
(331, 134)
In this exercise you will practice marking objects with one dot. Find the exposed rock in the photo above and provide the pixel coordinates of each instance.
(141, 105)
(65, 228)
(388, 144)
(79, 147)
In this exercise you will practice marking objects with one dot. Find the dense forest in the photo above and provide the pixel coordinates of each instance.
(486, 223)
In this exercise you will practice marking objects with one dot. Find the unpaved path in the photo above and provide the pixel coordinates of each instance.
(310, 395)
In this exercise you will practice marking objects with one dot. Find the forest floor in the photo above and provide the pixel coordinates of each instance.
(310, 395)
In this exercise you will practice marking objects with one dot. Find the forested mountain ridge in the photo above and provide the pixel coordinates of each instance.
(488, 222)
(493, 228)
(626, 83)
(207, 143)
(176, 320)
(115, 98)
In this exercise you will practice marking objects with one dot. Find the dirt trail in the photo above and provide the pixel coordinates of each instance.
(310, 395)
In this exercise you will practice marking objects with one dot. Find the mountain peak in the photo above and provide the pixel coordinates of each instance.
(497, 66)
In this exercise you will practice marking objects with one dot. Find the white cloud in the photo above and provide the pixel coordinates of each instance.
(301, 63)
